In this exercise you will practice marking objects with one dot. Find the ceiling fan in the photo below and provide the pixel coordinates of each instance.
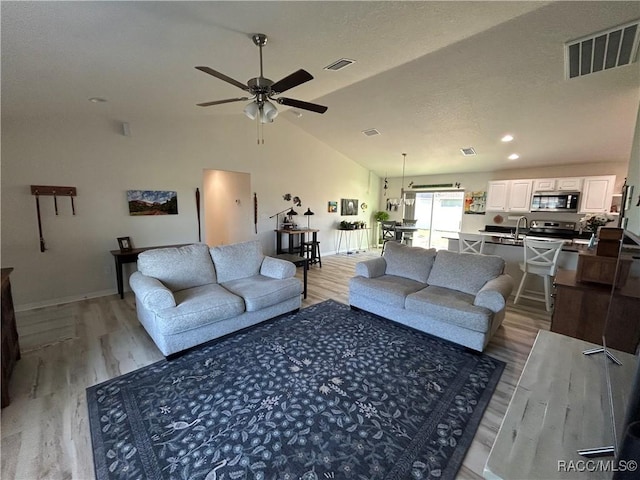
(263, 90)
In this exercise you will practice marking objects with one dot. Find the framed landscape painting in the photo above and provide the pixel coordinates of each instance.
(152, 202)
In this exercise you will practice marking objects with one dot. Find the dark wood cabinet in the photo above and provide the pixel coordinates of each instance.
(10, 345)
(581, 309)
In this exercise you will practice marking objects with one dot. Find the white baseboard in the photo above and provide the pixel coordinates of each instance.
(63, 300)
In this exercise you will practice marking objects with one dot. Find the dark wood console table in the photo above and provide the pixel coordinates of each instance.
(580, 311)
(131, 256)
(10, 345)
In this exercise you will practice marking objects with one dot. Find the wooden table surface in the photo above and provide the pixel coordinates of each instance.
(560, 405)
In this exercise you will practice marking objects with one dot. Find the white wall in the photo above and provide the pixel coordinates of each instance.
(91, 154)
(228, 207)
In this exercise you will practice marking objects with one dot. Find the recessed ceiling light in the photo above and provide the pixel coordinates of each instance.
(514, 156)
(507, 138)
(97, 100)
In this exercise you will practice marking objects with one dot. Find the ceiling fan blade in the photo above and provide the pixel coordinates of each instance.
(218, 102)
(223, 77)
(290, 81)
(314, 107)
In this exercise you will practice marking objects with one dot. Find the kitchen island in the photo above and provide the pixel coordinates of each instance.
(512, 251)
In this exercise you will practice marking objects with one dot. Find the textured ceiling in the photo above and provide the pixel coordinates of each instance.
(431, 76)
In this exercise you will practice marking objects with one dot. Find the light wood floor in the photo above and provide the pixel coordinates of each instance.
(66, 348)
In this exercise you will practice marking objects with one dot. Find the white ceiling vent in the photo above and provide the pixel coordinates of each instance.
(612, 48)
(371, 132)
(468, 152)
(340, 64)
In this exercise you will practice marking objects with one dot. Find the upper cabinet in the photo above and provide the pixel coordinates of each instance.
(544, 185)
(570, 184)
(509, 196)
(597, 193)
(515, 195)
(497, 196)
(520, 195)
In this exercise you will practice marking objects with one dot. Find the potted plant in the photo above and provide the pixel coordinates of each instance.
(381, 216)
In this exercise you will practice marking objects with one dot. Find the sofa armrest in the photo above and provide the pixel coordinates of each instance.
(151, 292)
(371, 268)
(277, 268)
(493, 295)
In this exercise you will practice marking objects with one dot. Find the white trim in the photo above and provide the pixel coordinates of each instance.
(63, 300)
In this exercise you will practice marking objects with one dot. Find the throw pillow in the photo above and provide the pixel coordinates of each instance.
(238, 260)
(464, 272)
(409, 262)
(179, 268)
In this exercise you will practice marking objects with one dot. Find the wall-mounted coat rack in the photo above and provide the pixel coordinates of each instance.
(55, 192)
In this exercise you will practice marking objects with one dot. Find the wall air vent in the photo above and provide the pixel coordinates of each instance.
(371, 132)
(612, 48)
(467, 152)
(340, 64)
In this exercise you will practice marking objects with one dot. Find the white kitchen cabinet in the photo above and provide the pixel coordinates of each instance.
(520, 195)
(570, 184)
(497, 196)
(567, 184)
(596, 194)
(544, 185)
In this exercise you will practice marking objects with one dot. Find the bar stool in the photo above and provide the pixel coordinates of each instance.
(471, 243)
(540, 258)
(312, 251)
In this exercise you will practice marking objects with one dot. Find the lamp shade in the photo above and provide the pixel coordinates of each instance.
(308, 212)
(291, 212)
(251, 110)
(268, 112)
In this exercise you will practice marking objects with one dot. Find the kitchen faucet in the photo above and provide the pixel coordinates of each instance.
(526, 225)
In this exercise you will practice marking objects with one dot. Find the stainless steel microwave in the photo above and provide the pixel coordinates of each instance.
(555, 201)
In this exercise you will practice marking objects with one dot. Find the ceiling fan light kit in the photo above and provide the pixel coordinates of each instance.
(263, 91)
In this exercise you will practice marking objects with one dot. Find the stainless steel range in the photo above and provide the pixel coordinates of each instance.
(552, 229)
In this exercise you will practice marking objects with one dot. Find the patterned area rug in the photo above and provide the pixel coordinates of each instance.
(326, 393)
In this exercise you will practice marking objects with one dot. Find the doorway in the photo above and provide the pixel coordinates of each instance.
(227, 207)
(438, 215)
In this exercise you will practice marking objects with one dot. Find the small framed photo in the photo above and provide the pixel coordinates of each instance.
(124, 243)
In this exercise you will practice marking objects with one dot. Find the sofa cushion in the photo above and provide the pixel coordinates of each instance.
(450, 306)
(199, 306)
(260, 292)
(238, 260)
(178, 268)
(387, 289)
(409, 262)
(465, 272)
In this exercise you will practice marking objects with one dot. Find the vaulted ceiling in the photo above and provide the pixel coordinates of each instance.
(432, 77)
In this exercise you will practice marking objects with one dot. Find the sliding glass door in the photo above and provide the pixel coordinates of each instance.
(438, 215)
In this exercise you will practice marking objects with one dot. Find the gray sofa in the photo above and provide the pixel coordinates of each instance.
(460, 297)
(186, 296)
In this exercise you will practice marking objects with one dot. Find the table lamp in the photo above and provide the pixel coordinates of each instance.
(307, 213)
